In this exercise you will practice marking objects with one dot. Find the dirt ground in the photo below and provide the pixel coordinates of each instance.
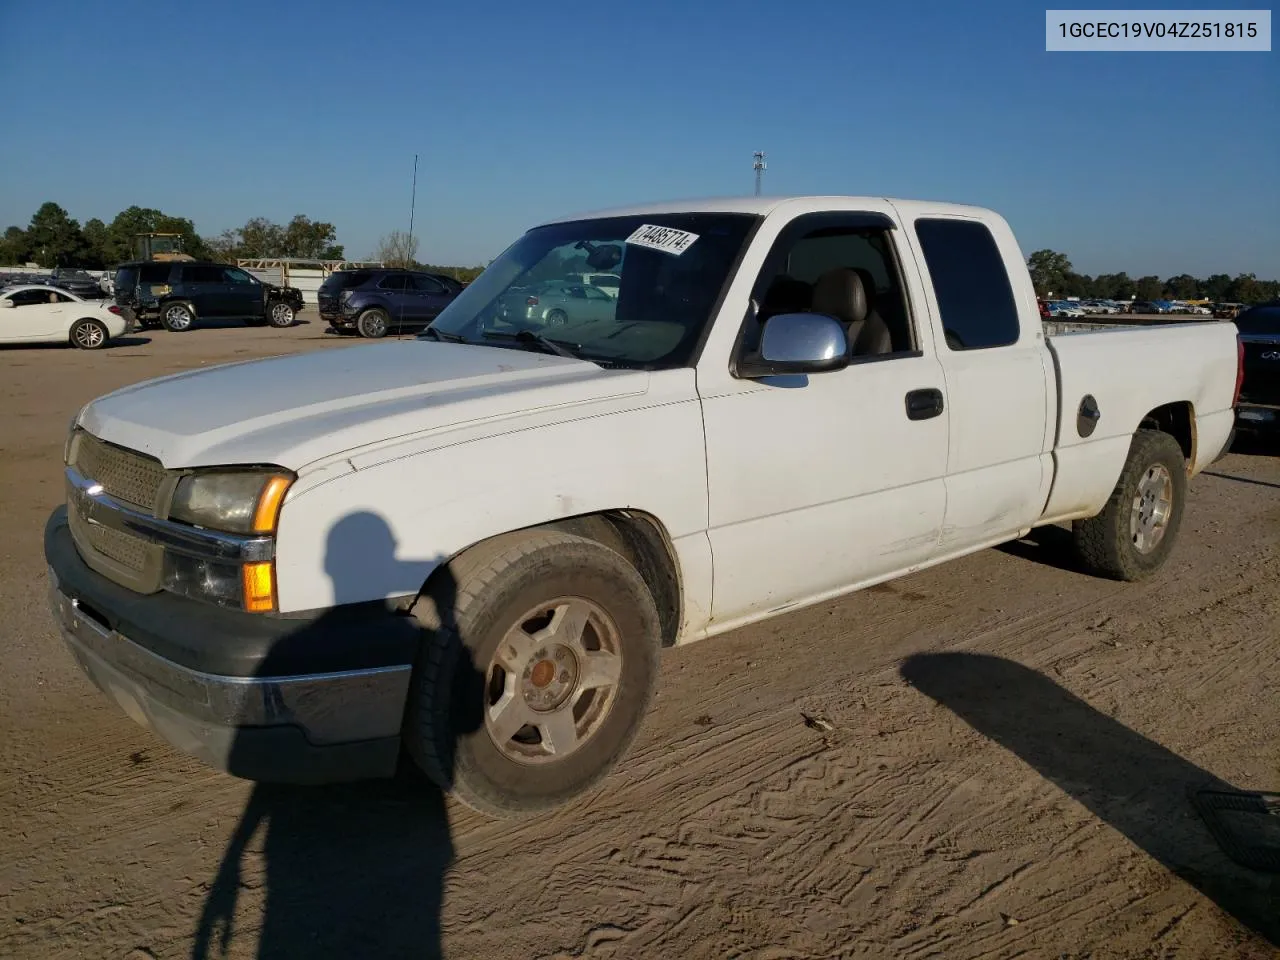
(988, 759)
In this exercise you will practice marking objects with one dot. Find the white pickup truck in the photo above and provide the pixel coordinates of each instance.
(467, 549)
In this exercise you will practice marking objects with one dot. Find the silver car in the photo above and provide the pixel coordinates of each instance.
(557, 303)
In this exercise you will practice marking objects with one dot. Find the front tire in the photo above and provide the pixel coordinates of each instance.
(1135, 532)
(89, 335)
(177, 317)
(541, 662)
(281, 315)
(373, 324)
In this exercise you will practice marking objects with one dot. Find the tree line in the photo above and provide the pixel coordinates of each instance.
(54, 239)
(1053, 275)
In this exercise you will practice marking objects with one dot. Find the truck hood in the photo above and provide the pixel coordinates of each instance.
(296, 410)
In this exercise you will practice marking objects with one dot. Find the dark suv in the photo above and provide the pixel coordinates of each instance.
(376, 302)
(175, 294)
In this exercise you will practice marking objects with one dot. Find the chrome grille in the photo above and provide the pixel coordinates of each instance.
(125, 475)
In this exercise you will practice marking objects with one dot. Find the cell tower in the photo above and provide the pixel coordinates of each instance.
(759, 166)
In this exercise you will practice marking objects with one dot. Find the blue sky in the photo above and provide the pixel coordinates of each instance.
(1150, 163)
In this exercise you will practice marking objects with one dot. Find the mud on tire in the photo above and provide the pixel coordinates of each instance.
(466, 675)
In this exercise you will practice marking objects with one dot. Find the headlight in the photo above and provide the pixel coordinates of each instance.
(240, 502)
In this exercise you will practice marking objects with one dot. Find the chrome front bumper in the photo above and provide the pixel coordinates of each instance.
(315, 728)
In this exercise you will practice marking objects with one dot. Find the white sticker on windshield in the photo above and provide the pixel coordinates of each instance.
(666, 239)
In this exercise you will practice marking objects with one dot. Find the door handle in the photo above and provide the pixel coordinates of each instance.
(924, 404)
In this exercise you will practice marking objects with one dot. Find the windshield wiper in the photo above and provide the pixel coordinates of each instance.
(443, 336)
(558, 347)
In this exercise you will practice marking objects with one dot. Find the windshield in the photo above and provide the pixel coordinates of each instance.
(671, 269)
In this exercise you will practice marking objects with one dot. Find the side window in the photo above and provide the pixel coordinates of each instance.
(154, 273)
(62, 298)
(843, 266)
(396, 281)
(428, 285)
(201, 273)
(26, 298)
(974, 295)
(234, 275)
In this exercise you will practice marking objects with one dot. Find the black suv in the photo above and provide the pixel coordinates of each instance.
(175, 294)
(376, 302)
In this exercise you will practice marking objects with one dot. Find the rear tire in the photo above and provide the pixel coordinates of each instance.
(541, 661)
(373, 324)
(89, 335)
(177, 317)
(1135, 532)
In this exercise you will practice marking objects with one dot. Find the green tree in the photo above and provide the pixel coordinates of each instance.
(304, 237)
(1114, 286)
(95, 238)
(14, 249)
(1149, 288)
(1245, 289)
(1215, 288)
(1049, 271)
(55, 240)
(1182, 287)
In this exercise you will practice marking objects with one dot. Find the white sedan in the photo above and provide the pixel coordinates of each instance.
(32, 313)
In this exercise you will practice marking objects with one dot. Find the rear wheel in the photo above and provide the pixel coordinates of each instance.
(1134, 534)
(177, 317)
(89, 335)
(373, 324)
(557, 317)
(281, 315)
(542, 660)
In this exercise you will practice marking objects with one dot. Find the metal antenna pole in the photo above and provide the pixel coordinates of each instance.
(759, 166)
(414, 196)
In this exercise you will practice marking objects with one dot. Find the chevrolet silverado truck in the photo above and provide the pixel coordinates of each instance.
(464, 552)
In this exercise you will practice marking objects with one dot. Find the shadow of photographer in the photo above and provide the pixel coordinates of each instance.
(354, 869)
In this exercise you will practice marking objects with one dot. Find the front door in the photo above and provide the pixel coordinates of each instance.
(245, 294)
(35, 315)
(821, 482)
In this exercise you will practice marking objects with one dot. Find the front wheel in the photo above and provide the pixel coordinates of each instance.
(281, 315)
(373, 324)
(541, 662)
(1135, 532)
(177, 317)
(89, 335)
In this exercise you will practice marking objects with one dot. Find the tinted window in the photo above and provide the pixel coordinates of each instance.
(1264, 321)
(154, 273)
(428, 285)
(201, 273)
(26, 298)
(233, 275)
(396, 281)
(974, 295)
(125, 278)
(345, 280)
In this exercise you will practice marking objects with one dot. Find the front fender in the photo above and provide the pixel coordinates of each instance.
(377, 532)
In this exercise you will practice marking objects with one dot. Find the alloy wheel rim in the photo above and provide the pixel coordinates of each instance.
(1152, 508)
(553, 681)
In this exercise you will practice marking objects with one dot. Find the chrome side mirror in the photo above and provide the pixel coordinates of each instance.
(797, 343)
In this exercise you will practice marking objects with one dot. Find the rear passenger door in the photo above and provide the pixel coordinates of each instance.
(997, 368)
(203, 285)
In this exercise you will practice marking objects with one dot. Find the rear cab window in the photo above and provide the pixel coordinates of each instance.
(975, 298)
